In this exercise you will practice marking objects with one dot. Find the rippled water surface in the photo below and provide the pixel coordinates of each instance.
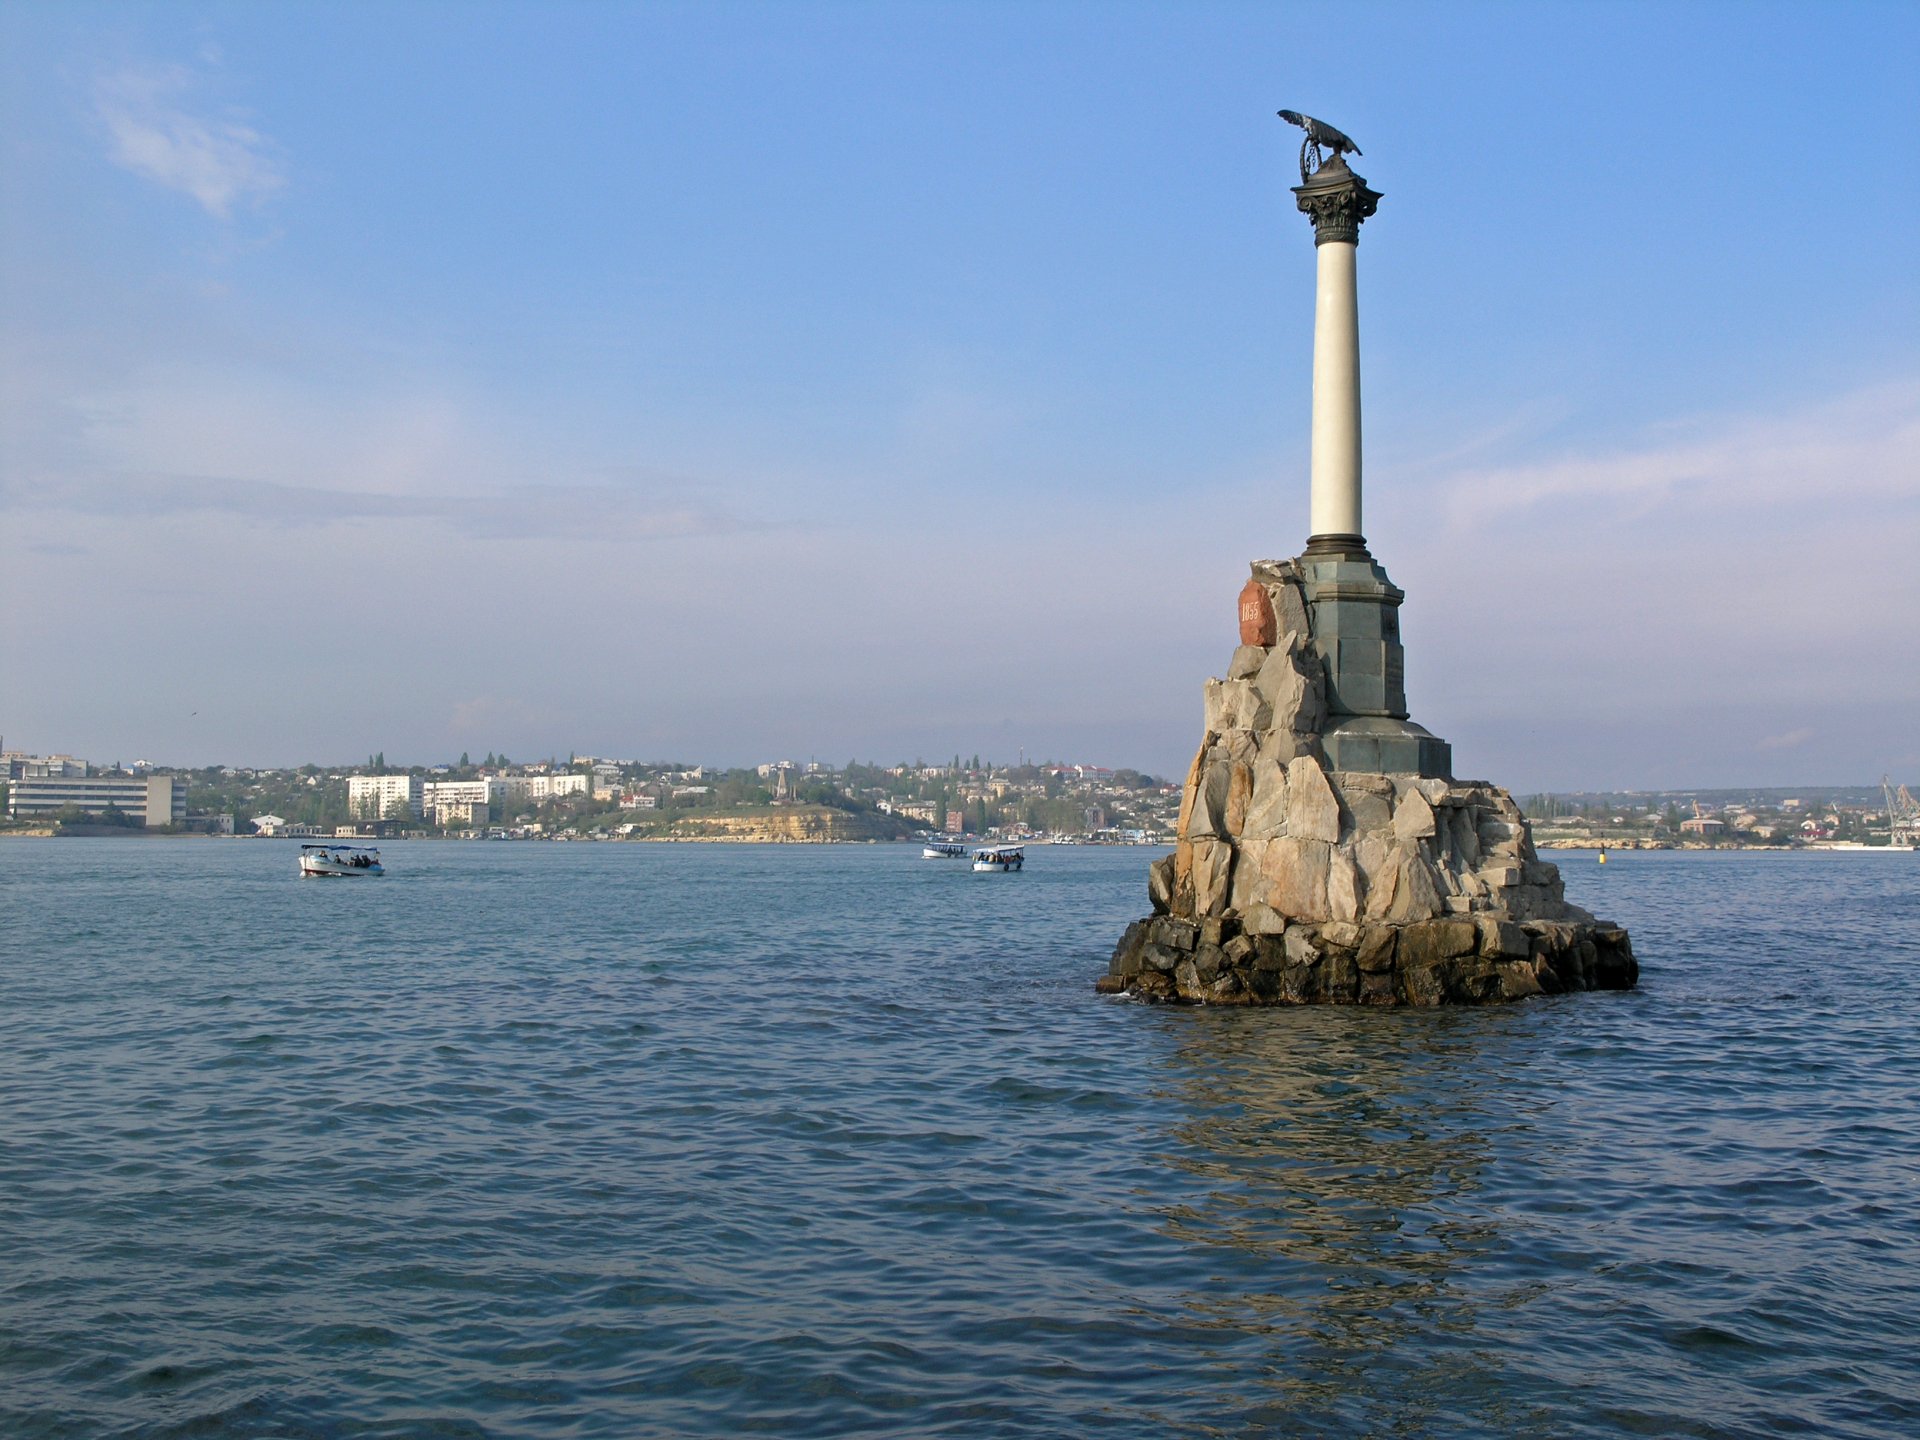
(580, 1141)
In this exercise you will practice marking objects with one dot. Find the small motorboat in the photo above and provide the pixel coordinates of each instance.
(943, 850)
(1001, 858)
(320, 861)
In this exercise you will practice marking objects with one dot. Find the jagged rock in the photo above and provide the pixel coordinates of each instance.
(1428, 942)
(1236, 705)
(1239, 794)
(1295, 870)
(1247, 661)
(1346, 891)
(1368, 809)
(1212, 866)
(1262, 919)
(1503, 939)
(1288, 681)
(1413, 817)
(1415, 897)
(1160, 885)
(1313, 810)
(1266, 815)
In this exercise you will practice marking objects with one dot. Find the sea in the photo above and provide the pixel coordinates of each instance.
(635, 1140)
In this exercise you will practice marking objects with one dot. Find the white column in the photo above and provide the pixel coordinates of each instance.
(1335, 506)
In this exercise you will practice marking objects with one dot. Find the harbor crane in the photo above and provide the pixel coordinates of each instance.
(1903, 814)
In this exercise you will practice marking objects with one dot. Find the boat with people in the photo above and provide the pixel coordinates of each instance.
(320, 861)
(1001, 858)
(943, 850)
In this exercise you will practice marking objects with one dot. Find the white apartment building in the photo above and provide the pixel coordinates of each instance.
(537, 789)
(459, 802)
(373, 797)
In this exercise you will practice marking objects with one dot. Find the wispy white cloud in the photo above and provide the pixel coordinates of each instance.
(1860, 447)
(154, 131)
(529, 512)
(1791, 740)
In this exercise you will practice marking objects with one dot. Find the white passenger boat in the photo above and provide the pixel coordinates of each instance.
(999, 857)
(320, 861)
(943, 850)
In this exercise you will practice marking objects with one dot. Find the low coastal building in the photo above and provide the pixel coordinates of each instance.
(155, 801)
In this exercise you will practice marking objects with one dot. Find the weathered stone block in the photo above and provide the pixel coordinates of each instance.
(1239, 794)
(1346, 890)
(1517, 980)
(1413, 817)
(1172, 933)
(1235, 746)
(1377, 990)
(1313, 810)
(1217, 930)
(1281, 747)
(1337, 979)
(1192, 790)
(1236, 705)
(1260, 918)
(1289, 682)
(1249, 877)
(1423, 985)
(1266, 815)
(1503, 939)
(1415, 895)
(1378, 947)
(1296, 874)
(1341, 935)
(1430, 941)
(1212, 870)
(1368, 810)
(1160, 885)
(1246, 662)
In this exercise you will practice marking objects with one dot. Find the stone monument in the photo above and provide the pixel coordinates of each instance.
(1325, 853)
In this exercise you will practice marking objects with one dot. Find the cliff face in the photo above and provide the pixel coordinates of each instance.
(1295, 882)
(799, 824)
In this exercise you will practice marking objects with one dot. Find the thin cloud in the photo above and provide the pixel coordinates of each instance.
(1792, 740)
(219, 162)
(519, 513)
(1861, 447)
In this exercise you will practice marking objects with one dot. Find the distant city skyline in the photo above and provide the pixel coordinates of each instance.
(729, 382)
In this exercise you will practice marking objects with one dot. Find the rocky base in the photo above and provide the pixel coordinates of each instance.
(1296, 879)
(1474, 960)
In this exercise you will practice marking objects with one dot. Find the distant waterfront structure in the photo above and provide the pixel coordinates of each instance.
(156, 801)
(372, 797)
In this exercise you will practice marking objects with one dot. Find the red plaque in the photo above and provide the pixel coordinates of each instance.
(1257, 625)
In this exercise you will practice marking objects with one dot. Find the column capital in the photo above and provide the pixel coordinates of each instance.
(1337, 201)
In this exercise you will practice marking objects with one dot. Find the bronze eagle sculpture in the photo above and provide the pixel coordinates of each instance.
(1319, 135)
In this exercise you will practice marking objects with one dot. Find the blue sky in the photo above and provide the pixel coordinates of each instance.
(739, 381)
